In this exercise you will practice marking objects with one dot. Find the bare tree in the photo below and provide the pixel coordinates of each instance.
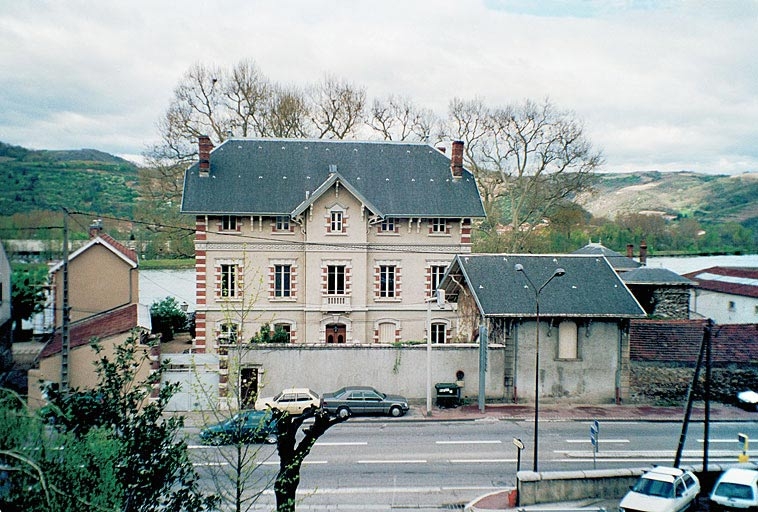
(397, 118)
(528, 157)
(337, 108)
(287, 113)
(247, 93)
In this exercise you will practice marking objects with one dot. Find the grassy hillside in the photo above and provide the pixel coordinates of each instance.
(713, 199)
(84, 180)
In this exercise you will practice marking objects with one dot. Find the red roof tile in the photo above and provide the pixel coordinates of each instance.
(679, 341)
(707, 279)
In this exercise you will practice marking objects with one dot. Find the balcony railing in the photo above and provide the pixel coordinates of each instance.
(335, 303)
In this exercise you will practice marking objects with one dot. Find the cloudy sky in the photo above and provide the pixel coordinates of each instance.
(667, 85)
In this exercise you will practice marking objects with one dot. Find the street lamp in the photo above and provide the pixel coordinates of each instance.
(556, 273)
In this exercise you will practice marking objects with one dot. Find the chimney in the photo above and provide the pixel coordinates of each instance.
(630, 250)
(204, 153)
(456, 159)
(643, 252)
(95, 228)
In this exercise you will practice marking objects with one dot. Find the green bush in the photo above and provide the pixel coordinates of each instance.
(167, 318)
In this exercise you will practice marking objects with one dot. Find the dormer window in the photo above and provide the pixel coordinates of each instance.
(438, 226)
(229, 223)
(388, 225)
(282, 223)
(337, 219)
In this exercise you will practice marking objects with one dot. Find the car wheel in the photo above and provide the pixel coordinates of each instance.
(271, 439)
(396, 411)
(343, 412)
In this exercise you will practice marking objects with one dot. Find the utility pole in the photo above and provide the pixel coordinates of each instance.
(65, 342)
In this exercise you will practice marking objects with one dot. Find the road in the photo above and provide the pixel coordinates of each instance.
(380, 464)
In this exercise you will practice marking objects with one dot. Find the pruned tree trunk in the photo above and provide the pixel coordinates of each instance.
(292, 454)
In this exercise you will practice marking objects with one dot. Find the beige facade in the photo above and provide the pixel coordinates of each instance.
(103, 300)
(333, 274)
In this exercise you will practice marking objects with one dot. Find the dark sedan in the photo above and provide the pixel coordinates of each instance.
(243, 427)
(363, 400)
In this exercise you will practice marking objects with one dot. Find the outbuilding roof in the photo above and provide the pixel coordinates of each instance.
(617, 260)
(655, 276)
(589, 288)
(278, 176)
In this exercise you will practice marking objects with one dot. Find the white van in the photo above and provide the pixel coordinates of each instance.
(736, 489)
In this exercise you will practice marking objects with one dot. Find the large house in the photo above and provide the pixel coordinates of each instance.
(323, 242)
(569, 312)
(326, 241)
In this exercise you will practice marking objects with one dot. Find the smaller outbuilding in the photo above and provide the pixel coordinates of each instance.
(565, 316)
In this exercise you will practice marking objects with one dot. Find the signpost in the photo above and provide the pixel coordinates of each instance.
(520, 446)
(595, 440)
(743, 439)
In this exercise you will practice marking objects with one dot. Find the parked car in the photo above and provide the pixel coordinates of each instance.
(736, 489)
(662, 489)
(243, 427)
(748, 400)
(363, 400)
(293, 400)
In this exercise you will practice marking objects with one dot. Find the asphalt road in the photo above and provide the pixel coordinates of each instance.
(378, 464)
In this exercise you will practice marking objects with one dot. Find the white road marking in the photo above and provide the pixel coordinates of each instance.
(601, 441)
(355, 443)
(469, 442)
(480, 461)
(411, 461)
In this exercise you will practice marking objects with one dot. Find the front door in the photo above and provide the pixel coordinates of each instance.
(248, 387)
(336, 333)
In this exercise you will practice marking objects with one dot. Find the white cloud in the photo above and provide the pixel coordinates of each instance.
(666, 85)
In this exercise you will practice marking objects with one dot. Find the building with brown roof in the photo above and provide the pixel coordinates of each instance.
(727, 295)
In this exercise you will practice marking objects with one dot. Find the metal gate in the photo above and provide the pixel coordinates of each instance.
(197, 376)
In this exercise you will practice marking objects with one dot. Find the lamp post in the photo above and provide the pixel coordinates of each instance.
(556, 273)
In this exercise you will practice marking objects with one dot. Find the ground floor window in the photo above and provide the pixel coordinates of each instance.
(438, 332)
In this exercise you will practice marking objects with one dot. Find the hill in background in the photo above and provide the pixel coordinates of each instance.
(85, 180)
(712, 199)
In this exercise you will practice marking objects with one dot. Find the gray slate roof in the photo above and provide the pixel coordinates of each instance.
(590, 287)
(275, 176)
(655, 276)
(617, 260)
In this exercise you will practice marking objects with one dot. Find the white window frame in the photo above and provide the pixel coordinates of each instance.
(436, 272)
(388, 225)
(439, 226)
(439, 333)
(229, 280)
(332, 286)
(387, 281)
(228, 332)
(282, 223)
(282, 271)
(337, 220)
(229, 223)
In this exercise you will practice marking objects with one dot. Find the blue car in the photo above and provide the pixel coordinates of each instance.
(243, 427)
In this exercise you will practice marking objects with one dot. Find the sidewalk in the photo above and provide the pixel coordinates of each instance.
(578, 412)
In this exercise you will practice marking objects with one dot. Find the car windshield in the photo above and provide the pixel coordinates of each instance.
(654, 488)
(731, 490)
(278, 397)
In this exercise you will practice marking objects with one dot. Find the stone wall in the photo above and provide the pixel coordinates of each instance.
(668, 383)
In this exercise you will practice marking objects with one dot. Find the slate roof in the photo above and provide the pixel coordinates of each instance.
(655, 276)
(679, 341)
(740, 281)
(276, 176)
(617, 260)
(589, 288)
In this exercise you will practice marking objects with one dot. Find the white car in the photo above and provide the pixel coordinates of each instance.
(662, 489)
(293, 401)
(736, 489)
